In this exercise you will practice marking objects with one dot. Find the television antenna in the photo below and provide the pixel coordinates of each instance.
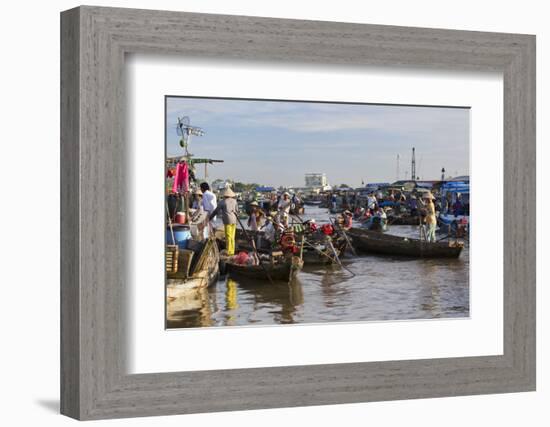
(185, 130)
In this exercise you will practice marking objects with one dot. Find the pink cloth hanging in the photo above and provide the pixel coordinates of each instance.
(181, 180)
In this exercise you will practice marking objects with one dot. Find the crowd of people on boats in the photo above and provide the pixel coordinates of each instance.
(377, 209)
(252, 226)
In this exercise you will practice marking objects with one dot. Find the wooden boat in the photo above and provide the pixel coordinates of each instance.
(283, 269)
(310, 256)
(380, 243)
(312, 202)
(190, 309)
(194, 273)
(318, 251)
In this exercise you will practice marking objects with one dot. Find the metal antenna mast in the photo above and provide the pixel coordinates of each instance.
(397, 169)
(413, 167)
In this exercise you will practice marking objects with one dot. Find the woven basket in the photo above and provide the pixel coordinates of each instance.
(172, 252)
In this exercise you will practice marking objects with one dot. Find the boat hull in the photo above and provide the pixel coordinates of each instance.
(284, 271)
(205, 273)
(379, 243)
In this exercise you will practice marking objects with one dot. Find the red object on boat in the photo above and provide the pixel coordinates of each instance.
(241, 258)
(180, 218)
(327, 229)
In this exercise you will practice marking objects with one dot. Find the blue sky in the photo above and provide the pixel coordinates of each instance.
(276, 143)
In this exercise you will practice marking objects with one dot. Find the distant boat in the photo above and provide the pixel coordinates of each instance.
(385, 244)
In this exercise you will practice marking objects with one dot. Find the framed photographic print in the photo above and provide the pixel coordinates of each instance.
(292, 213)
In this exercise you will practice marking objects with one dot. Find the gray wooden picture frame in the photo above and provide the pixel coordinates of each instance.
(94, 41)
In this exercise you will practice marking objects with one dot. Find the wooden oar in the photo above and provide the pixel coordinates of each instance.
(170, 225)
(331, 246)
(251, 240)
(345, 236)
(320, 252)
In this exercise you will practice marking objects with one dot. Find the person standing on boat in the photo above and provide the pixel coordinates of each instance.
(458, 208)
(371, 202)
(229, 210)
(256, 216)
(430, 219)
(284, 208)
(197, 200)
(333, 201)
(209, 202)
(266, 241)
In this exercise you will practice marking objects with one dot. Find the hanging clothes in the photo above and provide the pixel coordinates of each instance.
(181, 180)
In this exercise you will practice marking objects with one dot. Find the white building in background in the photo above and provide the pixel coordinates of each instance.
(316, 180)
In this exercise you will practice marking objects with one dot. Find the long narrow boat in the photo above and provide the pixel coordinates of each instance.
(380, 243)
(321, 255)
(279, 270)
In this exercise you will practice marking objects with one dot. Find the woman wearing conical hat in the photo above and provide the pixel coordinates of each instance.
(229, 210)
(430, 219)
(256, 218)
(197, 199)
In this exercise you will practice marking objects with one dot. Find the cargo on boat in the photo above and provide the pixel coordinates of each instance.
(385, 244)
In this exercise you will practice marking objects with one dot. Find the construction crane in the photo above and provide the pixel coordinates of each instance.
(397, 169)
(413, 167)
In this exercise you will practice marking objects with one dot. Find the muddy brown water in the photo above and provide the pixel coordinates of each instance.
(383, 288)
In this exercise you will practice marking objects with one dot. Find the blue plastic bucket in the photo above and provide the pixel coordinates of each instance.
(181, 235)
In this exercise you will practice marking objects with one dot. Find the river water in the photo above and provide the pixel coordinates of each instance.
(383, 288)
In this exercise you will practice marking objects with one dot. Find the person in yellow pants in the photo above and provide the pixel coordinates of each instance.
(229, 211)
(430, 219)
(230, 230)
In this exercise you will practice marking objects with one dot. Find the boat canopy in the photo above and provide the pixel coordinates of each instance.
(263, 189)
(420, 184)
(455, 187)
(377, 184)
